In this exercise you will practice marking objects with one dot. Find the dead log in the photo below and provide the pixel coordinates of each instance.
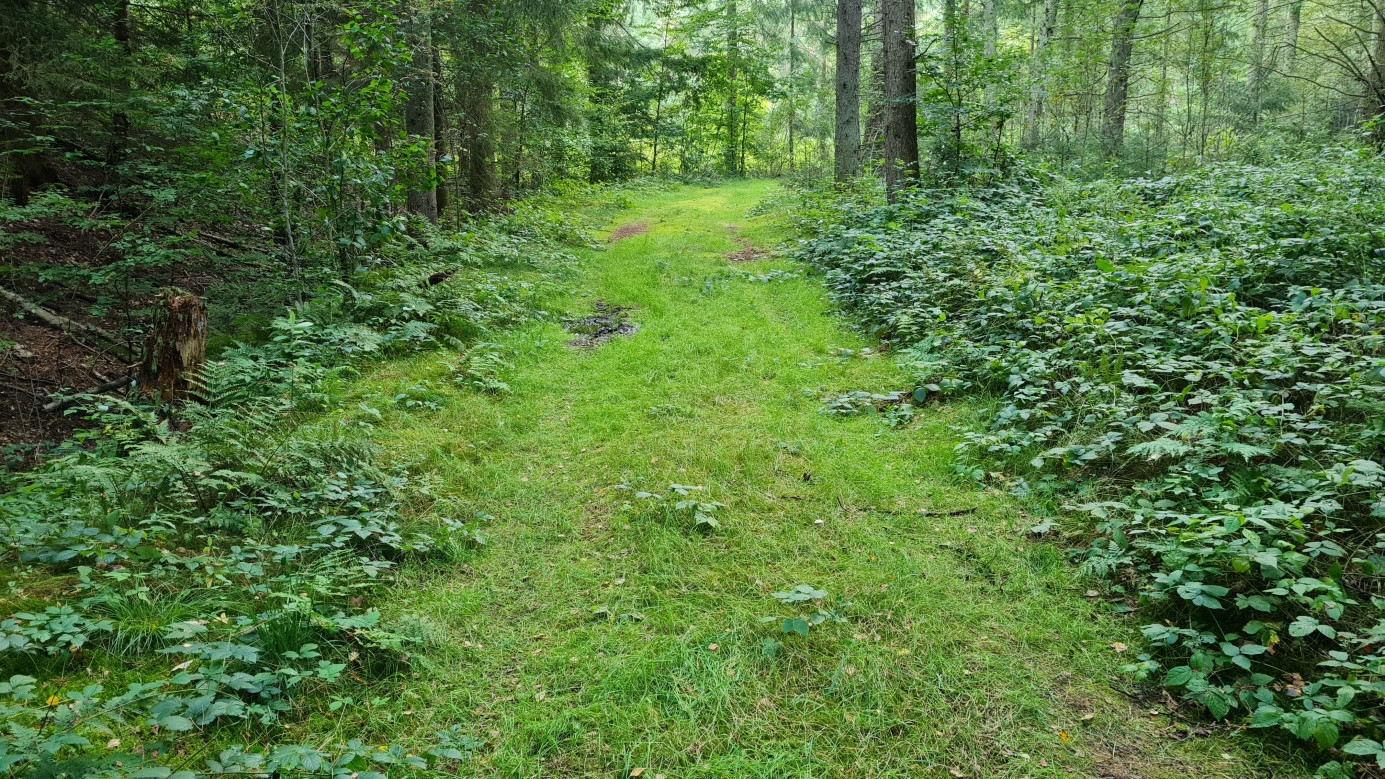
(58, 321)
(110, 386)
(176, 347)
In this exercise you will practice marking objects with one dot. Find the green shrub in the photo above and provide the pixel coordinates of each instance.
(1197, 363)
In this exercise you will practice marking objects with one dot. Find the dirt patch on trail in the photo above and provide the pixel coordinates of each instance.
(628, 230)
(748, 254)
(605, 323)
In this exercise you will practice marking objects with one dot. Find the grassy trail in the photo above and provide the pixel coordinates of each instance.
(599, 633)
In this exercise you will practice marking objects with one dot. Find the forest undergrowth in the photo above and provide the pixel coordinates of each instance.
(182, 585)
(1187, 373)
(645, 521)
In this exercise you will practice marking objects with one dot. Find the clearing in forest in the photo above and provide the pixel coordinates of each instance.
(603, 631)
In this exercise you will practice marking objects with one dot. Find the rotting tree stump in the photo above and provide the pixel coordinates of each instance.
(176, 347)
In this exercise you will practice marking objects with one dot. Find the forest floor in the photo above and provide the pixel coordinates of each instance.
(602, 634)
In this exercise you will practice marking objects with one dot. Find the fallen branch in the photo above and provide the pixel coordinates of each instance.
(110, 386)
(58, 321)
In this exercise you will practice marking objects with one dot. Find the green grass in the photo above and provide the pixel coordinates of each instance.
(968, 648)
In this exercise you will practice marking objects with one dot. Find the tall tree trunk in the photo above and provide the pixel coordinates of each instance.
(1038, 74)
(120, 121)
(439, 131)
(731, 155)
(874, 140)
(419, 126)
(990, 32)
(1291, 26)
(476, 85)
(848, 125)
(1255, 81)
(1375, 74)
(793, 109)
(1118, 77)
(901, 97)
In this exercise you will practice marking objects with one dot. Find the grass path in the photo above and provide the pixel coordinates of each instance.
(599, 633)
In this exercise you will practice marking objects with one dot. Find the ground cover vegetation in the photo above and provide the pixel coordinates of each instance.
(1192, 362)
(304, 300)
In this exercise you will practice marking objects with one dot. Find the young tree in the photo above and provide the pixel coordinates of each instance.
(848, 91)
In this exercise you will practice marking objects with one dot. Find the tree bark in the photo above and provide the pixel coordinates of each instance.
(1118, 77)
(1255, 81)
(58, 321)
(848, 123)
(439, 132)
(731, 154)
(477, 87)
(419, 124)
(901, 97)
(1038, 74)
(1291, 27)
(1374, 70)
(176, 347)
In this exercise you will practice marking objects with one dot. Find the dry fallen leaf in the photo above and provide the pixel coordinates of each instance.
(634, 772)
(1119, 647)
(955, 772)
(1088, 717)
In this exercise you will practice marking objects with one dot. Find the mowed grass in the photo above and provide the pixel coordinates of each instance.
(598, 633)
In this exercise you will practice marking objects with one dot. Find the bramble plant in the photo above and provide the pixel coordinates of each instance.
(701, 513)
(1194, 363)
(815, 608)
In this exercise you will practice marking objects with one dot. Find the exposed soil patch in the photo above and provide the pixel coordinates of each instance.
(629, 230)
(748, 254)
(605, 323)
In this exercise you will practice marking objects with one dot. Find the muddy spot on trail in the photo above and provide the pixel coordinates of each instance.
(628, 230)
(605, 323)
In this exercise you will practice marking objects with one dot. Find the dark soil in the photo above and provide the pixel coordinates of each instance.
(606, 323)
(37, 361)
(629, 231)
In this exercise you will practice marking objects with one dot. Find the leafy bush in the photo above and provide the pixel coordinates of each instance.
(1195, 362)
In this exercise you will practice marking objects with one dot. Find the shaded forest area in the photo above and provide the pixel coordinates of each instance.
(251, 152)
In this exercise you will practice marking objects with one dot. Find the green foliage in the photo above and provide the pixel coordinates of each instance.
(680, 505)
(1194, 363)
(228, 553)
(814, 608)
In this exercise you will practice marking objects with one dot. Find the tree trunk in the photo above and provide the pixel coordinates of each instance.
(901, 97)
(1255, 81)
(477, 87)
(1038, 74)
(176, 347)
(439, 132)
(793, 109)
(731, 154)
(848, 125)
(1291, 36)
(419, 126)
(1375, 72)
(120, 121)
(1118, 77)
